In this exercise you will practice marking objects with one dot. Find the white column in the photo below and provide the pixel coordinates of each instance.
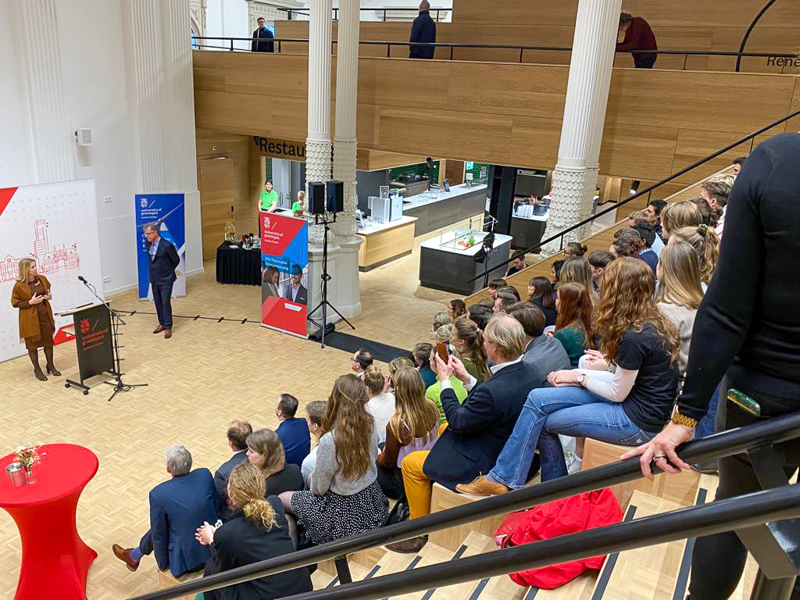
(318, 142)
(590, 69)
(53, 138)
(344, 156)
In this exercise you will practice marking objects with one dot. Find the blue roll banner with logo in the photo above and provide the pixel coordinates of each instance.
(168, 212)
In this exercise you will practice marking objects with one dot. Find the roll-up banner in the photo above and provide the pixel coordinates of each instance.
(168, 212)
(284, 273)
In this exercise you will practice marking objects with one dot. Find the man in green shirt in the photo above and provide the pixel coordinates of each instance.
(269, 197)
(298, 208)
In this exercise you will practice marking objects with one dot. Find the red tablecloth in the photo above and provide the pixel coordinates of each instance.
(55, 561)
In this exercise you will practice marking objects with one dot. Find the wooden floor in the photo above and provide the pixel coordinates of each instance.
(206, 375)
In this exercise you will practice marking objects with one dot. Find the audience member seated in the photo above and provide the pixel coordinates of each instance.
(654, 210)
(177, 508)
(574, 249)
(710, 216)
(510, 289)
(716, 192)
(555, 270)
(480, 314)
(738, 163)
(413, 427)
(540, 293)
(598, 262)
(627, 242)
(257, 530)
(434, 393)
(360, 361)
(264, 450)
(314, 413)
(544, 352)
(487, 302)
(677, 215)
(706, 244)
(503, 300)
(456, 308)
(345, 498)
(627, 407)
(293, 432)
(642, 217)
(467, 340)
(237, 440)
(441, 335)
(494, 285)
(478, 428)
(381, 403)
(577, 270)
(679, 292)
(439, 319)
(574, 323)
(517, 263)
(647, 236)
(422, 360)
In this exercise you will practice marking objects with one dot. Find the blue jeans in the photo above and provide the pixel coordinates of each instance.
(706, 426)
(562, 410)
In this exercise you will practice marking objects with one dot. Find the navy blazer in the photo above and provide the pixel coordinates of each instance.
(423, 30)
(478, 429)
(162, 269)
(177, 508)
(221, 483)
(296, 440)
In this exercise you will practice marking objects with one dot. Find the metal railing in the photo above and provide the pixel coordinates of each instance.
(753, 509)
(230, 45)
(646, 191)
(291, 13)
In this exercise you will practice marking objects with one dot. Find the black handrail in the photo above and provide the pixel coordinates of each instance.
(728, 443)
(641, 193)
(307, 13)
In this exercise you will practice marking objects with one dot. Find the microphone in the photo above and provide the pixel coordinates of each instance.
(80, 278)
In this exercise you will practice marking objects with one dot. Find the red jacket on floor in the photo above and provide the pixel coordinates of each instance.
(554, 519)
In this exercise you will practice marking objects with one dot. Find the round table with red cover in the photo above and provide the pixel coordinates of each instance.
(55, 561)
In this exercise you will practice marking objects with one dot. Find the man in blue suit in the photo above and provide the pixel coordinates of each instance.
(237, 440)
(177, 508)
(163, 259)
(293, 432)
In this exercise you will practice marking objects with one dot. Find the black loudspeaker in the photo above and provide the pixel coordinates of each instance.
(335, 196)
(316, 197)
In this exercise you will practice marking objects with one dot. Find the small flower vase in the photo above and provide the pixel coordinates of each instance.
(30, 475)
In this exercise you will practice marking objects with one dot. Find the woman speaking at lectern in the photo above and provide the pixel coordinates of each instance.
(31, 295)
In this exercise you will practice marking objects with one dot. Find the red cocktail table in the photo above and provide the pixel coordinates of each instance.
(55, 561)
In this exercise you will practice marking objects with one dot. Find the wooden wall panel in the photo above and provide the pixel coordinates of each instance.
(377, 160)
(637, 151)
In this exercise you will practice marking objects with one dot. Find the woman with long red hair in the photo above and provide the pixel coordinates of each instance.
(574, 321)
(628, 407)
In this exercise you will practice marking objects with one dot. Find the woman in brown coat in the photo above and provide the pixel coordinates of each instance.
(31, 295)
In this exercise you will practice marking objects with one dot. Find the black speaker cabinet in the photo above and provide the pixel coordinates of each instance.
(316, 197)
(335, 196)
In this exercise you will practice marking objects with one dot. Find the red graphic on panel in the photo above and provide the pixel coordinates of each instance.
(5, 197)
(47, 260)
(280, 313)
(85, 326)
(277, 234)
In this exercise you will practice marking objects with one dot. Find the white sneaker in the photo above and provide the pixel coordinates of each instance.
(574, 464)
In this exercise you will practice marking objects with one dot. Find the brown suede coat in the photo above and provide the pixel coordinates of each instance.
(28, 317)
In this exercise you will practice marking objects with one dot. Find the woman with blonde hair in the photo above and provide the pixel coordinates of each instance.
(345, 498)
(32, 295)
(403, 361)
(574, 322)
(627, 407)
(257, 530)
(467, 340)
(577, 270)
(679, 291)
(439, 319)
(677, 215)
(413, 427)
(706, 244)
(265, 451)
(381, 401)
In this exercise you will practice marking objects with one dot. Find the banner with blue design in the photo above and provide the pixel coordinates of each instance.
(168, 212)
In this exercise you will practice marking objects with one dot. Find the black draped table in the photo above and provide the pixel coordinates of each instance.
(237, 265)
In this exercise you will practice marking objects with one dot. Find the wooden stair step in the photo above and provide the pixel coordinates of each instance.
(476, 543)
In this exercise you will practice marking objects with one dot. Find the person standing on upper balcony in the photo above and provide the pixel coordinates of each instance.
(638, 38)
(262, 33)
(423, 31)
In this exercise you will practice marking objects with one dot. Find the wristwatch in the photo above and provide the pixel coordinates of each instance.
(680, 419)
(581, 378)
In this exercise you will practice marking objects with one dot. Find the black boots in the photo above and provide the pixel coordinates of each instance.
(37, 370)
(51, 368)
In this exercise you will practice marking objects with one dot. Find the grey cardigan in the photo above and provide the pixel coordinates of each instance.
(326, 474)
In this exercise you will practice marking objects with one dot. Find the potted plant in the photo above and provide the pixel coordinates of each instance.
(29, 456)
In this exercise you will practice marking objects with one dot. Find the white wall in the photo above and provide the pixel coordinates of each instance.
(97, 85)
(228, 18)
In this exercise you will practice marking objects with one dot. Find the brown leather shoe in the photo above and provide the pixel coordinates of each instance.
(481, 486)
(168, 333)
(124, 554)
(411, 546)
(158, 329)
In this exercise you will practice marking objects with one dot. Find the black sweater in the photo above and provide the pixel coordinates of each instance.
(749, 316)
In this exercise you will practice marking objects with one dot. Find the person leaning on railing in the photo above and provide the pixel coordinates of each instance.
(748, 330)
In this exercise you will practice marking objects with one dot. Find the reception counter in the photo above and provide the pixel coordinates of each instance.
(527, 231)
(446, 267)
(439, 209)
(384, 242)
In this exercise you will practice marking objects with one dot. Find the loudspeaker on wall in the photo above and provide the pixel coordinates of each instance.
(335, 196)
(316, 197)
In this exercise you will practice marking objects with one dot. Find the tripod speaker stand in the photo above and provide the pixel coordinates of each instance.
(324, 303)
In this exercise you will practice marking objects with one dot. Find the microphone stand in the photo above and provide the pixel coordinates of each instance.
(116, 321)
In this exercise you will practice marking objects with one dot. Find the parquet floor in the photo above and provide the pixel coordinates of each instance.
(207, 374)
